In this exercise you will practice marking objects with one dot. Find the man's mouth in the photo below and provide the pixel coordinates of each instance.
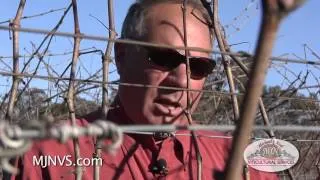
(168, 102)
(168, 107)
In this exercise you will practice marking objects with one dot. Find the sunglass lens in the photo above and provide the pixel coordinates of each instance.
(167, 59)
(200, 67)
(164, 59)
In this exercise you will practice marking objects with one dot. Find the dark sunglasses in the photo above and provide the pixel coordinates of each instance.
(168, 59)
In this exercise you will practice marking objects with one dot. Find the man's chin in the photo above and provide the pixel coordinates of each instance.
(173, 120)
(161, 120)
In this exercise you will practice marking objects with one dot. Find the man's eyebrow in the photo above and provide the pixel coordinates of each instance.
(209, 24)
(165, 22)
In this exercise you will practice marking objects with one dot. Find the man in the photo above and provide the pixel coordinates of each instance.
(146, 156)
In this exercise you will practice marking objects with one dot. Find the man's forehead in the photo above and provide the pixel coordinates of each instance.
(165, 25)
(174, 11)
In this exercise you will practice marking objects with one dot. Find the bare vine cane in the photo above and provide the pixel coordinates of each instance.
(71, 88)
(5, 165)
(245, 69)
(189, 103)
(106, 59)
(225, 59)
(15, 79)
(41, 55)
(273, 12)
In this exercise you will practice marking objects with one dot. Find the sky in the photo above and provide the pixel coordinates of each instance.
(240, 19)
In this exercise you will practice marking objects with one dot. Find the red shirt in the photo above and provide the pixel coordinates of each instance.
(136, 157)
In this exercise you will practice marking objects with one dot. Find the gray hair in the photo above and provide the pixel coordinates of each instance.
(134, 24)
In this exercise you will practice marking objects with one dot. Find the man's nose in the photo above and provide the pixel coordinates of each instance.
(177, 77)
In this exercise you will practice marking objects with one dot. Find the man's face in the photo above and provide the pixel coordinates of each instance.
(155, 105)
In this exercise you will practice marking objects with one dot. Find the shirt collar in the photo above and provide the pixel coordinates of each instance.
(118, 116)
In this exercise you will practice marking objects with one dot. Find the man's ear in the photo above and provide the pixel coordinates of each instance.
(119, 52)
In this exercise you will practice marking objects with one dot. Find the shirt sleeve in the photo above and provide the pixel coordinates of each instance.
(260, 175)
